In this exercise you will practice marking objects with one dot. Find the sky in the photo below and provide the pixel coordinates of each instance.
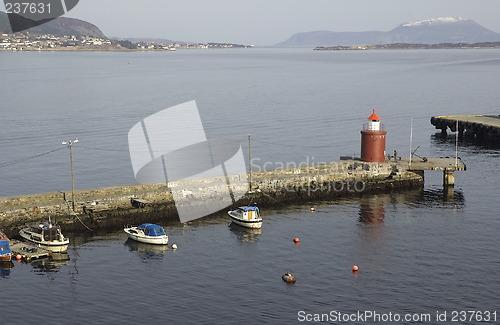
(267, 22)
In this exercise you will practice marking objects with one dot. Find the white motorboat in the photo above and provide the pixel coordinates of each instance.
(148, 233)
(246, 216)
(46, 235)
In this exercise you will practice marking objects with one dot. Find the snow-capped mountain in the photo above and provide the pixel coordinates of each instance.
(442, 30)
(434, 21)
(429, 31)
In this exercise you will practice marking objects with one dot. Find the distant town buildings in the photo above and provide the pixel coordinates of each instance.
(22, 42)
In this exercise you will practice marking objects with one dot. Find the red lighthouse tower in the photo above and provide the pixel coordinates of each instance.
(373, 140)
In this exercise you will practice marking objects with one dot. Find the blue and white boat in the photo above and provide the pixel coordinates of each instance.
(246, 216)
(5, 251)
(148, 233)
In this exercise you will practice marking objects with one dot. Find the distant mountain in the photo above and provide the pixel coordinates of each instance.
(430, 31)
(61, 26)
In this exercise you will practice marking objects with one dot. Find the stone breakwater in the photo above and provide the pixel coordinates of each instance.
(111, 207)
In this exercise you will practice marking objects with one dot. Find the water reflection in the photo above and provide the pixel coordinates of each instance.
(51, 264)
(437, 196)
(449, 141)
(146, 251)
(5, 268)
(372, 210)
(245, 235)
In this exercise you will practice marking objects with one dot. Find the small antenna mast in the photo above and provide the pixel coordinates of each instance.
(411, 139)
(456, 147)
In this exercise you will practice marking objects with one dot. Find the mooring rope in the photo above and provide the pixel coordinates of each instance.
(76, 215)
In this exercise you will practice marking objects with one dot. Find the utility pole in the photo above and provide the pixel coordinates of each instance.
(456, 145)
(70, 146)
(250, 163)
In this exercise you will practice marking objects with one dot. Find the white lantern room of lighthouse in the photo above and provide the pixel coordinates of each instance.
(374, 122)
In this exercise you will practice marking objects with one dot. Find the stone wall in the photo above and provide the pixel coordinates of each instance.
(111, 207)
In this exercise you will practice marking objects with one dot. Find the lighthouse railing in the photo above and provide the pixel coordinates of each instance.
(366, 127)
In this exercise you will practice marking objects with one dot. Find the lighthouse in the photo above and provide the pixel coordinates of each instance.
(373, 140)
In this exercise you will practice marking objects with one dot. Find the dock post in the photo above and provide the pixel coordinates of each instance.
(448, 193)
(444, 134)
(448, 178)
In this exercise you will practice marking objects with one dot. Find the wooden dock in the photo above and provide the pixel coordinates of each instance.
(480, 127)
(28, 251)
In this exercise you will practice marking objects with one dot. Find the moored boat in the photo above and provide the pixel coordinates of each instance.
(148, 233)
(46, 235)
(5, 251)
(246, 216)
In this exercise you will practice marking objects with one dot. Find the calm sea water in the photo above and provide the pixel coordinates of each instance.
(419, 252)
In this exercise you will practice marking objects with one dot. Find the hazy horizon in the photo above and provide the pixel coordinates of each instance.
(268, 22)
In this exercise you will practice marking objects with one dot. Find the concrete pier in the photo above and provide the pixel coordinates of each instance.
(447, 165)
(112, 207)
(480, 127)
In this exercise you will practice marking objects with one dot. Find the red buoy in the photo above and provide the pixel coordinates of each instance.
(296, 240)
(355, 268)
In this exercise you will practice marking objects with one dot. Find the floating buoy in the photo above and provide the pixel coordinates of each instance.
(174, 246)
(288, 278)
(296, 240)
(18, 257)
(355, 268)
(313, 209)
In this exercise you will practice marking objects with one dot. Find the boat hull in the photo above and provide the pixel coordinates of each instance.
(53, 246)
(6, 257)
(253, 224)
(157, 240)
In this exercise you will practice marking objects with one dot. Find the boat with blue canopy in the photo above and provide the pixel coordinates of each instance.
(148, 233)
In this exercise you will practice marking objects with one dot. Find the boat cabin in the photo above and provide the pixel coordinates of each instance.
(249, 213)
(47, 232)
(5, 249)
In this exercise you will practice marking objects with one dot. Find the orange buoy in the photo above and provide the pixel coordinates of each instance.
(296, 240)
(288, 278)
(18, 257)
(355, 268)
(313, 209)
